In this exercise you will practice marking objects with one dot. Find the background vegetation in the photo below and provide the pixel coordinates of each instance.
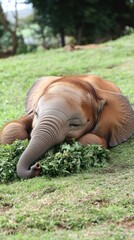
(85, 20)
(56, 23)
(97, 204)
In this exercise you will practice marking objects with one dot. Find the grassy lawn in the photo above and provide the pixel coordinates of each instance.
(97, 204)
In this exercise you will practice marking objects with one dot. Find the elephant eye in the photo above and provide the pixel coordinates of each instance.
(36, 114)
(75, 123)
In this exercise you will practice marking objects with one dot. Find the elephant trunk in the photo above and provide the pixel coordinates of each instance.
(42, 139)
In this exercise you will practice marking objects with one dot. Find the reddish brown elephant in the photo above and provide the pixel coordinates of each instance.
(87, 108)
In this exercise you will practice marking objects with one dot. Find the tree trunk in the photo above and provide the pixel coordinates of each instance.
(14, 42)
(80, 33)
(62, 36)
(4, 20)
(8, 28)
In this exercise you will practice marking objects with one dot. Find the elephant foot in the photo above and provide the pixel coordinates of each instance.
(35, 170)
(13, 131)
(90, 138)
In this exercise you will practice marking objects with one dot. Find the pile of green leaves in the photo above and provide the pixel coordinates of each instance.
(9, 156)
(60, 160)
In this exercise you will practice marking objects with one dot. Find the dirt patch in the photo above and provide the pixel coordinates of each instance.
(9, 231)
(96, 201)
(100, 202)
(63, 226)
(6, 54)
(5, 207)
(48, 190)
(70, 48)
(112, 66)
(127, 223)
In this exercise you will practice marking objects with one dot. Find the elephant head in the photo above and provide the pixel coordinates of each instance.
(65, 110)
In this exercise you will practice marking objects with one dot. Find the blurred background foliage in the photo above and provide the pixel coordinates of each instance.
(56, 23)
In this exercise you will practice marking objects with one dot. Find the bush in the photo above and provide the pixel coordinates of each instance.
(60, 160)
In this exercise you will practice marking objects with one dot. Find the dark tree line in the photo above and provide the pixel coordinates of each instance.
(86, 20)
(5, 26)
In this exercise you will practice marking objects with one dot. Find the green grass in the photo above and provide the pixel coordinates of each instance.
(97, 204)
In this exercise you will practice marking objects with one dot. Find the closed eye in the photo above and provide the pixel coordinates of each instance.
(36, 114)
(75, 123)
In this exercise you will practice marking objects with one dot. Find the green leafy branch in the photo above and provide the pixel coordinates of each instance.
(60, 160)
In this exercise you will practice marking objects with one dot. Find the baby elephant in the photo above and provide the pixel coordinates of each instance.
(86, 108)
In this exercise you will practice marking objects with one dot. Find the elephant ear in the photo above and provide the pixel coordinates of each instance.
(123, 127)
(36, 91)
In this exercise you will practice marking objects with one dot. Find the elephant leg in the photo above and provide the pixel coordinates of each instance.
(18, 129)
(92, 139)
